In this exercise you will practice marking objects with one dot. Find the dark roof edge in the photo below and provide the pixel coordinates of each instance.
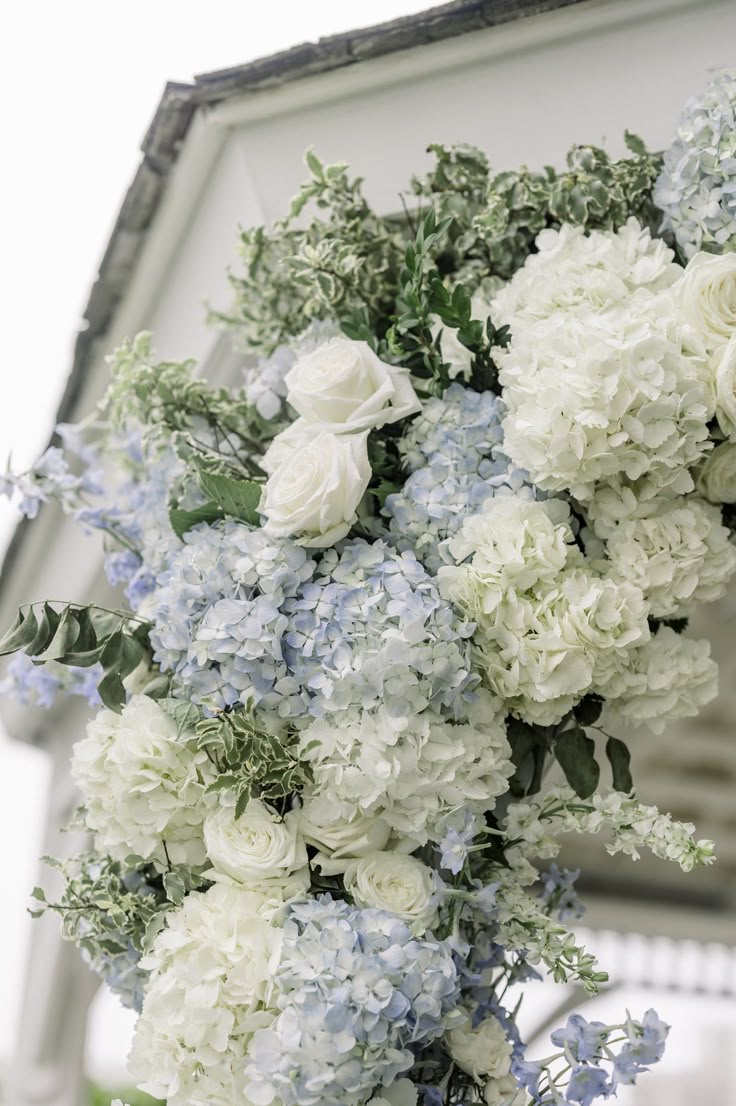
(174, 114)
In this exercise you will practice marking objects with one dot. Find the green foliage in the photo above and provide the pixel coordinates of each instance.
(167, 399)
(100, 1096)
(106, 906)
(497, 217)
(574, 751)
(251, 763)
(82, 636)
(341, 259)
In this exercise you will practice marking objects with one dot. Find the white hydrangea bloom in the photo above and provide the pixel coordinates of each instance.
(143, 785)
(211, 968)
(591, 396)
(573, 270)
(413, 771)
(670, 677)
(548, 623)
(677, 551)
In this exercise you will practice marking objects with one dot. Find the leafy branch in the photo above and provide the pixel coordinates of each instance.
(82, 636)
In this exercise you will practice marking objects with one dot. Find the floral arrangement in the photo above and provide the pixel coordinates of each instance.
(391, 606)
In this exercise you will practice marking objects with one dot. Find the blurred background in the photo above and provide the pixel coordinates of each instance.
(80, 87)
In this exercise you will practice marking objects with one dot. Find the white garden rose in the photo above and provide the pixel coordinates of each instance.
(677, 551)
(340, 840)
(211, 969)
(315, 491)
(401, 1093)
(726, 390)
(395, 882)
(295, 437)
(256, 847)
(481, 1052)
(716, 478)
(143, 785)
(344, 386)
(706, 294)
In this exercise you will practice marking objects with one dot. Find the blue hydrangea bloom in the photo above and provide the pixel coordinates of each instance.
(371, 628)
(218, 615)
(696, 189)
(358, 993)
(453, 453)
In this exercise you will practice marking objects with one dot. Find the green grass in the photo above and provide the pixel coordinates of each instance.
(101, 1096)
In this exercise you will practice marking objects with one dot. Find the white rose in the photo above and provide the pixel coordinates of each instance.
(255, 847)
(483, 1051)
(316, 489)
(717, 476)
(344, 386)
(726, 390)
(343, 840)
(706, 294)
(296, 436)
(401, 1093)
(395, 882)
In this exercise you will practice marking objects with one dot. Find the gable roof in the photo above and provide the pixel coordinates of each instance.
(173, 117)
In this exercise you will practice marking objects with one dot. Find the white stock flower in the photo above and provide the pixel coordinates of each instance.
(677, 551)
(670, 677)
(315, 491)
(716, 478)
(396, 882)
(143, 785)
(401, 1093)
(211, 970)
(726, 390)
(481, 1052)
(256, 847)
(344, 386)
(340, 840)
(706, 294)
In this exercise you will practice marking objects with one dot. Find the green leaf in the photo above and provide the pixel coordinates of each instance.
(182, 520)
(67, 633)
(20, 634)
(47, 626)
(174, 887)
(635, 144)
(184, 714)
(576, 756)
(588, 710)
(237, 498)
(619, 758)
